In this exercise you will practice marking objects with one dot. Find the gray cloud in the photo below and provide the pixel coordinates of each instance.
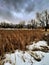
(7, 6)
(9, 9)
(30, 7)
(17, 5)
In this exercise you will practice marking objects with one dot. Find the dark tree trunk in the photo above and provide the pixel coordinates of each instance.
(46, 20)
(46, 28)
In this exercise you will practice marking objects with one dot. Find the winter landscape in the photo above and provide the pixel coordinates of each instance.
(24, 47)
(29, 57)
(24, 32)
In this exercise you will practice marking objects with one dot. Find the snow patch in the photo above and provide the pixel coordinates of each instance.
(37, 45)
(28, 57)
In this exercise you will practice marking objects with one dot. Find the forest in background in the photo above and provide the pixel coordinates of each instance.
(41, 21)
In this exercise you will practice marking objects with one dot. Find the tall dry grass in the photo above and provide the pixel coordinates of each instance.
(11, 40)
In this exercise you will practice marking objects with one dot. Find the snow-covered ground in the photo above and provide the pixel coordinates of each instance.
(37, 45)
(29, 57)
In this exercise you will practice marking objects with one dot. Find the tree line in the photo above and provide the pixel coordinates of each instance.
(41, 21)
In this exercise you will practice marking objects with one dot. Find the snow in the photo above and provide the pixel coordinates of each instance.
(41, 43)
(40, 54)
(28, 57)
(19, 58)
(44, 61)
(28, 60)
(10, 58)
(36, 45)
(7, 63)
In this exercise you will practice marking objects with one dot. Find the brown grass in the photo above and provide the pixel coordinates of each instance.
(11, 40)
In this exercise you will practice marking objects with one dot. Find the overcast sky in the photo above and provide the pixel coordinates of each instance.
(17, 10)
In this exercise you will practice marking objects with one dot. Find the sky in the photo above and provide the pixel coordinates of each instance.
(14, 11)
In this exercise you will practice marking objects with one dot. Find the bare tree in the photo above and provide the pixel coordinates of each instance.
(33, 23)
(43, 18)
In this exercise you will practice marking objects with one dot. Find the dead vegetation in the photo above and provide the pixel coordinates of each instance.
(11, 40)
